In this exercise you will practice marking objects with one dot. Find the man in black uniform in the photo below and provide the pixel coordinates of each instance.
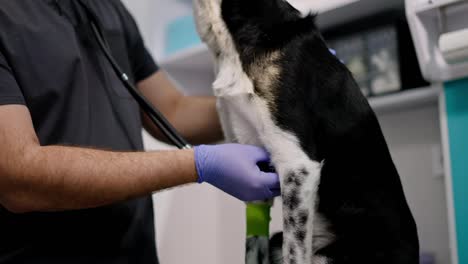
(74, 184)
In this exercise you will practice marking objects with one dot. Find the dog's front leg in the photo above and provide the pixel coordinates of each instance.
(299, 192)
(300, 177)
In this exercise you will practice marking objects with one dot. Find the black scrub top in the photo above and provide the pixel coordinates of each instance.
(50, 62)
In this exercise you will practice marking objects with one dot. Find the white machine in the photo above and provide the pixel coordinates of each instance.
(440, 33)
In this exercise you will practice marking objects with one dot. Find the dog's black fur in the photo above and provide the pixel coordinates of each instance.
(360, 193)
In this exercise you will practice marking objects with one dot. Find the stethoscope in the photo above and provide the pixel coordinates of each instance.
(154, 114)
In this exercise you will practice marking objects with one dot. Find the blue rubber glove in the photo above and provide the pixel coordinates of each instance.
(233, 169)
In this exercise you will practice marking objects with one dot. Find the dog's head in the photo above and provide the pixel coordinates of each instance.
(264, 24)
(254, 35)
(252, 25)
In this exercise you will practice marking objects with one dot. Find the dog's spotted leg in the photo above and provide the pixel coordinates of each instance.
(299, 189)
(300, 177)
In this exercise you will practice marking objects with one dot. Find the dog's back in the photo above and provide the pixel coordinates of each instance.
(360, 194)
(339, 183)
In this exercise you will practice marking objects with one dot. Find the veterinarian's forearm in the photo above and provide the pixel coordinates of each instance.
(195, 118)
(64, 178)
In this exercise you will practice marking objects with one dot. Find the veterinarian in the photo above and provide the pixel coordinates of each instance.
(75, 185)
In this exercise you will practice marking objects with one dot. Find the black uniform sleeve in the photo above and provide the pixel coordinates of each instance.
(10, 93)
(142, 63)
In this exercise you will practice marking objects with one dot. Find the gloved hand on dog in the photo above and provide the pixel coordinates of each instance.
(234, 169)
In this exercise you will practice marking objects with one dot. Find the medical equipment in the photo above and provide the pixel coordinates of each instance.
(454, 46)
(154, 114)
(440, 31)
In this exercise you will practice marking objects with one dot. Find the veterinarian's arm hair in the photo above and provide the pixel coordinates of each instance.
(55, 178)
(195, 118)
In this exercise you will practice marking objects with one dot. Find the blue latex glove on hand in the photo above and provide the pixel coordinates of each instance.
(233, 169)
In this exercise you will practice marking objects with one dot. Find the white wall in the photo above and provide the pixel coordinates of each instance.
(412, 135)
(306, 6)
(153, 16)
(143, 11)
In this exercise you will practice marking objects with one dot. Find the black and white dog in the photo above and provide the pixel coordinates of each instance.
(343, 201)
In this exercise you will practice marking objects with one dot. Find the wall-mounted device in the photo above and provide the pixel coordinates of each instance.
(440, 33)
(454, 46)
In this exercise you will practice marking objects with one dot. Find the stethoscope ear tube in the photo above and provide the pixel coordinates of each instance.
(153, 113)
